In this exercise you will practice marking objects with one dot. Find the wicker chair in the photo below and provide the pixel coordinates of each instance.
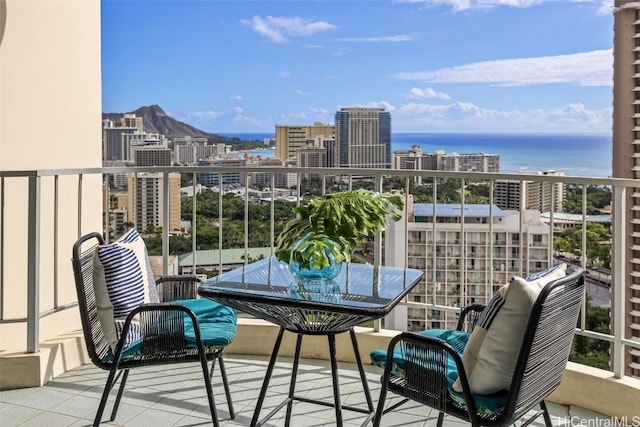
(163, 331)
(541, 362)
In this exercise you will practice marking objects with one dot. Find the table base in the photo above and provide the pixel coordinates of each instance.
(291, 397)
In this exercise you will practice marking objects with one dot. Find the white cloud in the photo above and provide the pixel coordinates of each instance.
(460, 5)
(466, 116)
(215, 121)
(301, 92)
(319, 110)
(285, 75)
(237, 98)
(425, 93)
(278, 29)
(606, 7)
(205, 115)
(585, 69)
(393, 39)
(602, 6)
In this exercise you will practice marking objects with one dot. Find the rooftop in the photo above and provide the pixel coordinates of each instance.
(454, 210)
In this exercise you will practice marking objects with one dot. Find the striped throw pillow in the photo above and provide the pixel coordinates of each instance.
(123, 277)
(122, 280)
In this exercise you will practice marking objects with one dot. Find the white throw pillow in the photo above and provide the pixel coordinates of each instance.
(122, 281)
(490, 356)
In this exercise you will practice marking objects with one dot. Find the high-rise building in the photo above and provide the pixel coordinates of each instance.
(187, 151)
(130, 120)
(475, 162)
(146, 198)
(113, 146)
(211, 177)
(626, 162)
(416, 159)
(137, 140)
(150, 156)
(188, 139)
(476, 249)
(280, 180)
(540, 196)
(363, 137)
(290, 138)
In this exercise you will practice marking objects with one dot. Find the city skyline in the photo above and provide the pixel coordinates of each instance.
(436, 65)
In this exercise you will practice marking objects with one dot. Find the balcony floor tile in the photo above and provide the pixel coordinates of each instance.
(174, 396)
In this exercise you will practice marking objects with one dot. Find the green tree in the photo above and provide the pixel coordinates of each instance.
(591, 351)
(598, 197)
(597, 237)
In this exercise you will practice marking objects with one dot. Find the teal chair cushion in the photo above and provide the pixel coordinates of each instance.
(492, 404)
(218, 324)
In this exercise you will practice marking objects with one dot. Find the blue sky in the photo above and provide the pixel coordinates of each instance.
(437, 65)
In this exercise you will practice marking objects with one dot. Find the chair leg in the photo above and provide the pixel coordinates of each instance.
(105, 395)
(440, 418)
(545, 414)
(225, 383)
(120, 390)
(381, 399)
(207, 383)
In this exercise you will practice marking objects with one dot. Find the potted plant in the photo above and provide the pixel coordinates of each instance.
(327, 229)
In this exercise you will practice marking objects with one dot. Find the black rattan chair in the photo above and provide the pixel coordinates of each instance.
(541, 362)
(163, 331)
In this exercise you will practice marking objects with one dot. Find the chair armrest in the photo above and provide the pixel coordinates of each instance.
(171, 288)
(162, 329)
(468, 317)
(426, 361)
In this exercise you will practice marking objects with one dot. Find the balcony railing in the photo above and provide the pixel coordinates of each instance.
(40, 182)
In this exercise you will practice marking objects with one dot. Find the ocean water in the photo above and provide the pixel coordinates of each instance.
(575, 155)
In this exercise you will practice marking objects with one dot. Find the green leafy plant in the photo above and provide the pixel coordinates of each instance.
(334, 224)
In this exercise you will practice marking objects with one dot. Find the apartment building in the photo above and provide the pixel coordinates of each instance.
(150, 156)
(363, 137)
(146, 196)
(113, 147)
(626, 162)
(467, 254)
(475, 162)
(136, 141)
(280, 180)
(416, 159)
(538, 195)
(187, 151)
(290, 138)
(211, 177)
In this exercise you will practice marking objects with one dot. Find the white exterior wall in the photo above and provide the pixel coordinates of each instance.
(49, 72)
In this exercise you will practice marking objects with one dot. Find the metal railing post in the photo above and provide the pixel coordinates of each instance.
(618, 276)
(33, 266)
(165, 222)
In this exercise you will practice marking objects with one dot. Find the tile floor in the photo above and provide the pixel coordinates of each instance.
(175, 396)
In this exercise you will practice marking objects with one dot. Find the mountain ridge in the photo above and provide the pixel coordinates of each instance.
(155, 120)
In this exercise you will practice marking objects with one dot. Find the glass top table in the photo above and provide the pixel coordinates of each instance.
(267, 290)
(362, 292)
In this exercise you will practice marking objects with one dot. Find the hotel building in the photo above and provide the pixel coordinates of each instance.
(146, 198)
(363, 137)
(416, 159)
(290, 138)
(626, 164)
(539, 195)
(476, 251)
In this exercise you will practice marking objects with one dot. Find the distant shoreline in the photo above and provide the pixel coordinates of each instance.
(574, 154)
